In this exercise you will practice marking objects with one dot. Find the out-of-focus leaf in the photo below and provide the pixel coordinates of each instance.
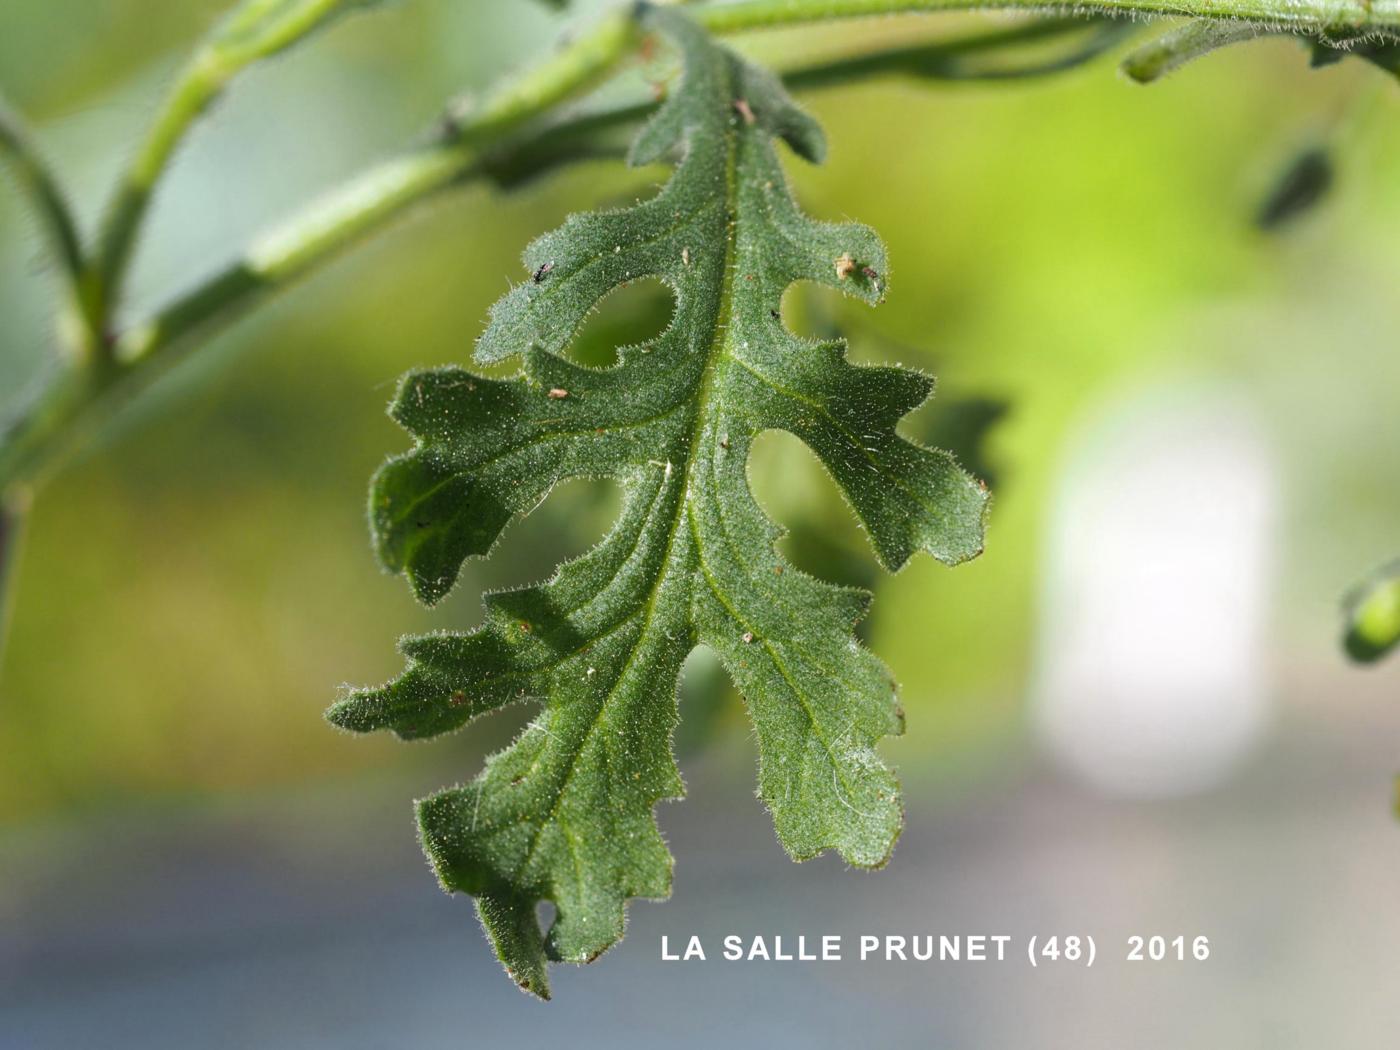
(1299, 188)
(1383, 54)
(1033, 48)
(963, 426)
(1373, 616)
(565, 813)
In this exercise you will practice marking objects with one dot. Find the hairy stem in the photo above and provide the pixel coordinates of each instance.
(1302, 16)
(505, 138)
(81, 398)
(1182, 45)
(253, 30)
(374, 199)
(367, 202)
(285, 253)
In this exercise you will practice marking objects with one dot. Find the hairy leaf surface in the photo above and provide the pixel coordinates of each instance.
(565, 813)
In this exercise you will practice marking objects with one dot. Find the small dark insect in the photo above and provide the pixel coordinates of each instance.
(774, 314)
(869, 272)
(542, 272)
(458, 698)
(724, 441)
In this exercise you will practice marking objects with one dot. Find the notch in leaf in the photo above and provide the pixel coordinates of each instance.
(564, 814)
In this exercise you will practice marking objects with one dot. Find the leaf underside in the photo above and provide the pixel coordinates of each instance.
(564, 814)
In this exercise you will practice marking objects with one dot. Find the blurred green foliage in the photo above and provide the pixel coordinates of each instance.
(1373, 616)
(192, 591)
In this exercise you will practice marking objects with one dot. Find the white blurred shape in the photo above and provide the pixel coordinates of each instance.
(1151, 674)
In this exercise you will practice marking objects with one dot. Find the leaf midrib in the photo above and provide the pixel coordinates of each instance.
(704, 409)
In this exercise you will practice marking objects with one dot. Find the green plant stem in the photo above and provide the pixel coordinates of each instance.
(227, 53)
(1183, 44)
(51, 208)
(974, 56)
(369, 202)
(201, 81)
(253, 30)
(1302, 16)
(493, 140)
(12, 514)
(365, 205)
(79, 399)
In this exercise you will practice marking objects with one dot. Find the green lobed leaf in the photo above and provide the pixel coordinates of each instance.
(565, 813)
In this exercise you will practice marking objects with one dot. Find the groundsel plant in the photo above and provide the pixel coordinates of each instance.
(564, 815)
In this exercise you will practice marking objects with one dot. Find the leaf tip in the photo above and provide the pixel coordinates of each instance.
(429, 588)
(358, 711)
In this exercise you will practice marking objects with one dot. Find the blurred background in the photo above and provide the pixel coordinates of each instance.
(1130, 716)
